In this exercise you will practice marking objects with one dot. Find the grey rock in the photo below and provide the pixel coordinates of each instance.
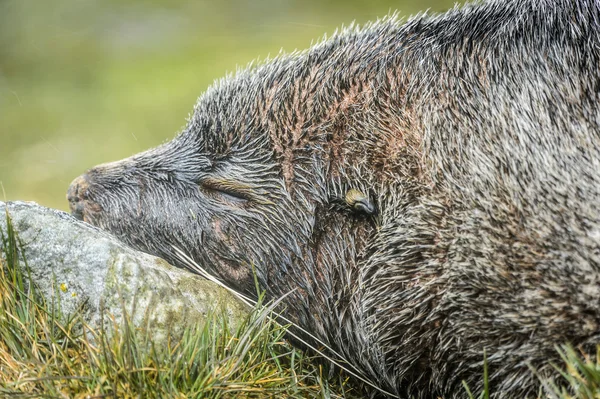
(77, 266)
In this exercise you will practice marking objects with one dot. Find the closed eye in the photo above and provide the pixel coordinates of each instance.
(236, 190)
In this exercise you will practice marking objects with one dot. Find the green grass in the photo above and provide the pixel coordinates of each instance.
(581, 375)
(42, 354)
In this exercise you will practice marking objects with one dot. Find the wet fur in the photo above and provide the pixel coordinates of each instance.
(475, 133)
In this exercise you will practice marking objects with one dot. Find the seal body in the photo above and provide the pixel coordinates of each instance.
(428, 191)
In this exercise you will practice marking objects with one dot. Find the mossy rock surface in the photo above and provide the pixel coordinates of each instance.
(77, 266)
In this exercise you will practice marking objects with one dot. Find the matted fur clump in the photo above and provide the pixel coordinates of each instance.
(427, 191)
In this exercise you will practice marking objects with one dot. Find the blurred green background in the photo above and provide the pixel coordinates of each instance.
(84, 82)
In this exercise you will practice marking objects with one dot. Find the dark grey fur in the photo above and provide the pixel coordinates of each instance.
(476, 135)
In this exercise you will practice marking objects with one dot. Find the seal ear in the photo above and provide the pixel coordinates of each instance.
(359, 202)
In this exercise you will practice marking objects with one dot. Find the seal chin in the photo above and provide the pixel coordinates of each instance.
(76, 195)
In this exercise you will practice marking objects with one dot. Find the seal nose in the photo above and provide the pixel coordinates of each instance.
(77, 194)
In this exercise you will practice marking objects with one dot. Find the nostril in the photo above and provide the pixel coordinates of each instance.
(72, 193)
(78, 189)
(76, 194)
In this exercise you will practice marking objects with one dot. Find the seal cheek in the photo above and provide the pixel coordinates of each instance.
(227, 242)
(229, 256)
(216, 226)
(222, 231)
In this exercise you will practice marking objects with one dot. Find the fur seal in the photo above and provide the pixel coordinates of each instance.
(429, 191)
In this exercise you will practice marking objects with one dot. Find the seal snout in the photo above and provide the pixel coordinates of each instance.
(77, 194)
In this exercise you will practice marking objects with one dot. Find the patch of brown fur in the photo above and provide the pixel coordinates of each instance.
(340, 116)
(399, 150)
(290, 131)
(267, 114)
(391, 147)
(482, 73)
(396, 148)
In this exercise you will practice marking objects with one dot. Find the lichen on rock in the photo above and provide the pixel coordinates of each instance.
(84, 269)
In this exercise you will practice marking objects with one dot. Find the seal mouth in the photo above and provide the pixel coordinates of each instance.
(77, 195)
